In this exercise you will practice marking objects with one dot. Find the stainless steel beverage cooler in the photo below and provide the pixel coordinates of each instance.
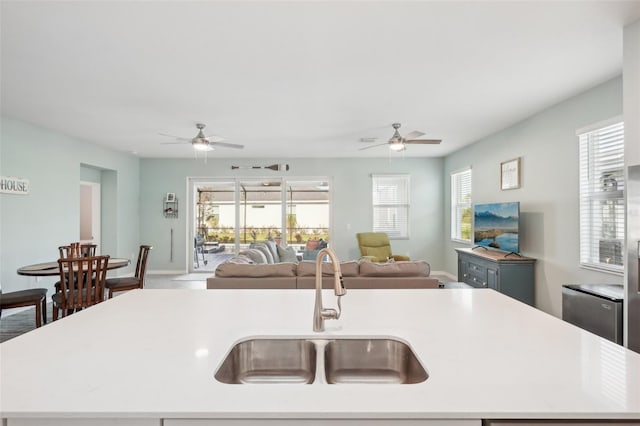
(596, 308)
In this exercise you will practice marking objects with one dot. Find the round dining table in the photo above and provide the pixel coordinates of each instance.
(50, 269)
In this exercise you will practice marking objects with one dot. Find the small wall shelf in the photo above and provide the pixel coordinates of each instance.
(170, 208)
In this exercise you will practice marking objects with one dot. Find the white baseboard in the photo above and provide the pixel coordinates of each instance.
(167, 272)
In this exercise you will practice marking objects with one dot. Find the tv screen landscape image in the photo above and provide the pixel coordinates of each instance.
(496, 225)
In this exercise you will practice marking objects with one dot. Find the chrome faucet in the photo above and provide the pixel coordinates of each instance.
(319, 313)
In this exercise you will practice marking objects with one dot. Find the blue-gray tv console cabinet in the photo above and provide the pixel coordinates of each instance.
(507, 273)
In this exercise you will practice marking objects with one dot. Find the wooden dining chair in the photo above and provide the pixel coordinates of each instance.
(77, 250)
(131, 283)
(30, 297)
(82, 281)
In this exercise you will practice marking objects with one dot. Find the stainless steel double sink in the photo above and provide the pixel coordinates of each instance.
(321, 360)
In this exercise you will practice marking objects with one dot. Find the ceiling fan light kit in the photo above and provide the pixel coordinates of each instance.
(397, 146)
(201, 146)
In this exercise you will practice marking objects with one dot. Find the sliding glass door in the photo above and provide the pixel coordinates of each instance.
(228, 215)
(260, 207)
(215, 211)
(308, 214)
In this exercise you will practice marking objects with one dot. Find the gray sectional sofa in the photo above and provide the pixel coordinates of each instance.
(241, 272)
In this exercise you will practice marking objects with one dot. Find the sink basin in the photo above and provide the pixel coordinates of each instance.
(372, 361)
(269, 361)
(321, 360)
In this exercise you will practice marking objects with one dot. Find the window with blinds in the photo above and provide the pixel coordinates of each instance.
(391, 205)
(602, 197)
(461, 207)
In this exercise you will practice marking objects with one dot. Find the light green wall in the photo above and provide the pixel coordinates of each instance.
(548, 147)
(90, 174)
(351, 202)
(33, 226)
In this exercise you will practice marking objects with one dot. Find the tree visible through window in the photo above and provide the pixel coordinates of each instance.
(602, 184)
(461, 208)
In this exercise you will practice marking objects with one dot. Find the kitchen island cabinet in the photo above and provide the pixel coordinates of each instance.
(148, 358)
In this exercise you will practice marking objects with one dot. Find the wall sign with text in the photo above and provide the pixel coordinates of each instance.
(14, 185)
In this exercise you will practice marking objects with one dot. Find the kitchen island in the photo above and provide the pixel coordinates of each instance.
(149, 357)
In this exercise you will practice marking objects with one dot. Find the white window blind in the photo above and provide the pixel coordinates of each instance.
(461, 209)
(602, 198)
(391, 205)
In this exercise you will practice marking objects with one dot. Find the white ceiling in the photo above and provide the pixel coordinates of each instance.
(299, 79)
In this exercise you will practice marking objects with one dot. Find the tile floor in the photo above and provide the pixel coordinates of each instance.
(15, 323)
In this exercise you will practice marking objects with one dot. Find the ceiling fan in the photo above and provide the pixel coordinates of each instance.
(398, 143)
(202, 142)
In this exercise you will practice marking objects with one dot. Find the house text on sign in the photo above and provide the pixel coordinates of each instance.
(13, 185)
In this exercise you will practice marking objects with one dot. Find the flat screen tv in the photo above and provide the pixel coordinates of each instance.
(497, 226)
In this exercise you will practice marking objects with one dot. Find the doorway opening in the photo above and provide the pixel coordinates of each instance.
(90, 217)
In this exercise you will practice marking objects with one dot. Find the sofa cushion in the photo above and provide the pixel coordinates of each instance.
(228, 269)
(287, 254)
(308, 269)
(262, 283)
(254, 254)
(417, 268)
(264, 249)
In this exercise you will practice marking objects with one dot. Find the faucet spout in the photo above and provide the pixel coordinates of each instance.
(319, 312)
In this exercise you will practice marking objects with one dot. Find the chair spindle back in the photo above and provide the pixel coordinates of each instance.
(82, 281)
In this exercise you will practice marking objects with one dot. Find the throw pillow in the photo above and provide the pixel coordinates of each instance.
(287, 254)
(312, 245)
(240, 258)
(254, 254)
(273, 248)
(322, 244)
(264, 249)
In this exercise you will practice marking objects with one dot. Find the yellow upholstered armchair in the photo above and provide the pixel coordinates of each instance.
(376, 247)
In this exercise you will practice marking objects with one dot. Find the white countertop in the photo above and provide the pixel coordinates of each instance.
(153, 354)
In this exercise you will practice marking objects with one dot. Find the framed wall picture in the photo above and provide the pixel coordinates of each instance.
(510, 174)
(171, 197)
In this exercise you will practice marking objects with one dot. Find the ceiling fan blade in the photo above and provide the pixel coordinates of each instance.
(172, 143)
(413, 135)
(373, 146)
(227, 145)
(176, 137)
(424, 141)
(215, 138)
(369, 140)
